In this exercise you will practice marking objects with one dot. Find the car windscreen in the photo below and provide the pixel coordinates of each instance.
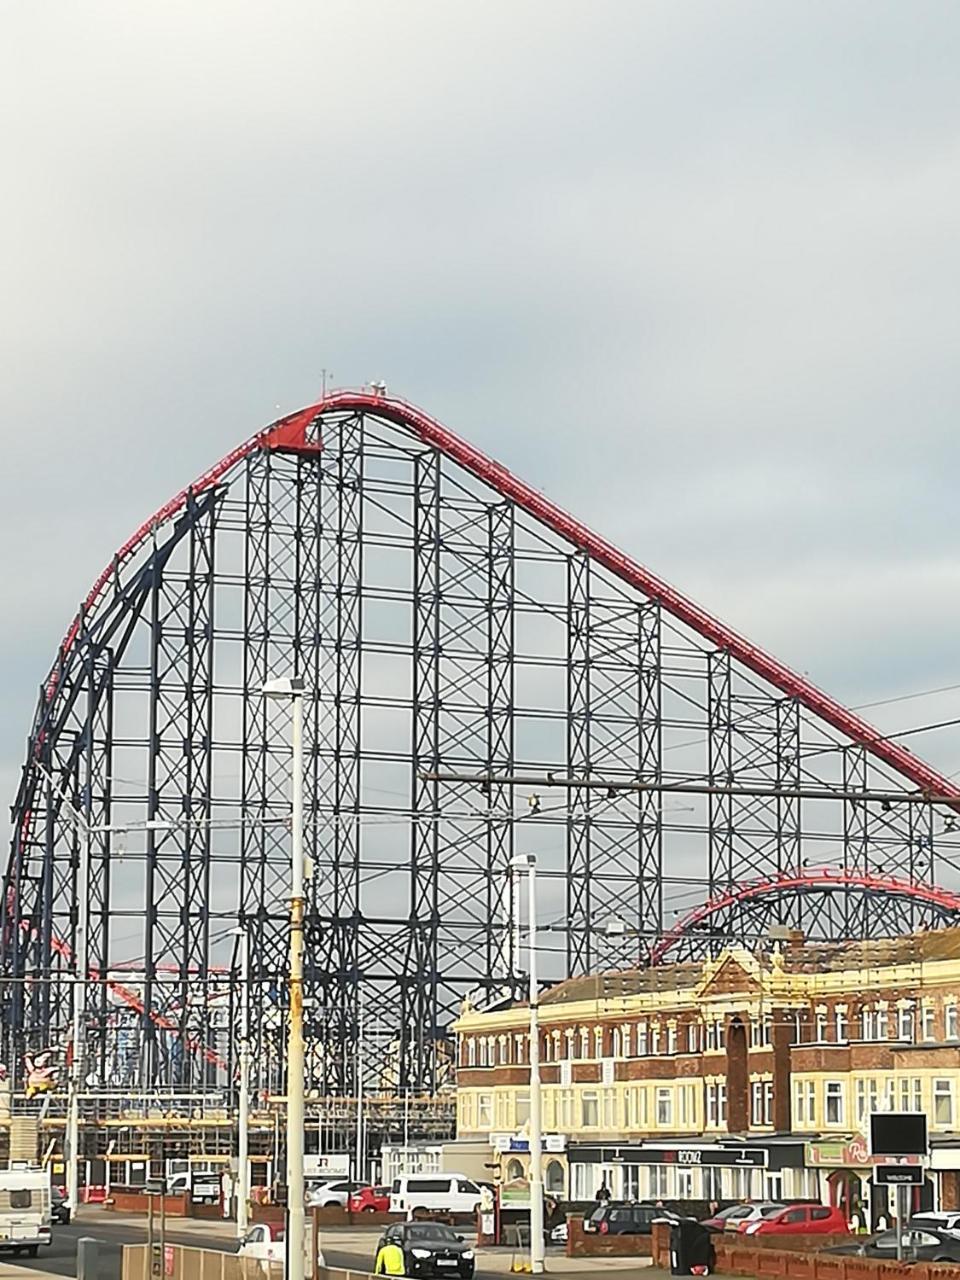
(430, 1231)
(769, 1210)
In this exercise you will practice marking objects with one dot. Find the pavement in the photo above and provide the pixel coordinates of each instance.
(350, 1247)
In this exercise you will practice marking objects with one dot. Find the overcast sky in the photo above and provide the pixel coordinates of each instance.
(692, 269)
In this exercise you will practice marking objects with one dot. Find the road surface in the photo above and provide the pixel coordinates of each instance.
(61, 1258)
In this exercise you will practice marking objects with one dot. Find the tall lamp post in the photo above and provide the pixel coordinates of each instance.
(527, 862)
(81, 967)
(290, 688)
(243, 1101)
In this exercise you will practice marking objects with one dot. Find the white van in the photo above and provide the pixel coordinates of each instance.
(436, 1192)
(24, 1210)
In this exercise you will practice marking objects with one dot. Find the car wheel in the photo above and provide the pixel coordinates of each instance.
(418, 1210)
(332, 1204)
(369, 1208)
(33, 1251)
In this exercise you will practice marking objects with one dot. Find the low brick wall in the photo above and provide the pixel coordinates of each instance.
(660, 1244)
(125, 1200)
(765, 1263)
(592, 1244)
(273, 1215)
(334, 1216)
(803, 1244)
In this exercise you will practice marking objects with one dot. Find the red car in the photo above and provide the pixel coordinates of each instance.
(799, 1219)
(370, 1200)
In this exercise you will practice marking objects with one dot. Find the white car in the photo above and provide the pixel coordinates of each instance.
(559, 1233)
(338, 1191)
(268, 1248)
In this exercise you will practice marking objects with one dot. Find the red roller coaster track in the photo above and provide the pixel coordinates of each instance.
(818, 880)
(293, 432)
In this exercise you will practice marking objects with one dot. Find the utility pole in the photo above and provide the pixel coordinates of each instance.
(360, 1152)
(291, 687)
(529, 862)
(81, 966)
(243, 1108)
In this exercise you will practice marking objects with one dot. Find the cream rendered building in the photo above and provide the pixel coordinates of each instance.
(747, 1075)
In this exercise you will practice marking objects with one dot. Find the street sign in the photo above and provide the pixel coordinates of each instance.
(892, 1175)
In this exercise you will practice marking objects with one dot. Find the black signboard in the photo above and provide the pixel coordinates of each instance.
(682, 1157)
(898, 1133)
(898, 1175)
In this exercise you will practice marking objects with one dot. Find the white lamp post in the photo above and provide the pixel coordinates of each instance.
(291, 689)
(243, 1107)
(529, 863)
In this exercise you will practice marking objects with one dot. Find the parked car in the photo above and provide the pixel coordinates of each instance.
(626, 1218)
(558, 1234)
(945, 1220)
(919, 1245)
(439, 1192)
(729, 1219)
(324, 1195)
(799, 1219)
(267, 1246)
(431, 1249)
(370, 1200)
(59, 1205)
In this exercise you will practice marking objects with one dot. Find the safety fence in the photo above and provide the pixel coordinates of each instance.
(179, 1262)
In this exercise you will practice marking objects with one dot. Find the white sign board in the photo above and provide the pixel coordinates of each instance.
(335, 1165)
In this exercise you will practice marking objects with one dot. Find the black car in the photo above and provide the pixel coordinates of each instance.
(627, 1218)
(920, 1244)
(431, 1249)
(59, 1208)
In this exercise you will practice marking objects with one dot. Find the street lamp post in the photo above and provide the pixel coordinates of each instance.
(81, 962)
(243, 1103)
(291, 688)
(529, 863)
(81, 967)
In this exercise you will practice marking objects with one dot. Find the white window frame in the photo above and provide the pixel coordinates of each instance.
(833, 1100)
(592, 1097)
(841, 1025)
(928, 1023)
(943, 1092)
(951, 1020)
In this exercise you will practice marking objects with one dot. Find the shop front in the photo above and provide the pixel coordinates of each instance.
(511, 1153)
(845, 1170)
(689, 1171)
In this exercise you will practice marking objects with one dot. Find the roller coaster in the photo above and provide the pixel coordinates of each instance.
(446, 619)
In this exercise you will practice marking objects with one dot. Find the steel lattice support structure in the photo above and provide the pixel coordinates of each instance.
(444, 617)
